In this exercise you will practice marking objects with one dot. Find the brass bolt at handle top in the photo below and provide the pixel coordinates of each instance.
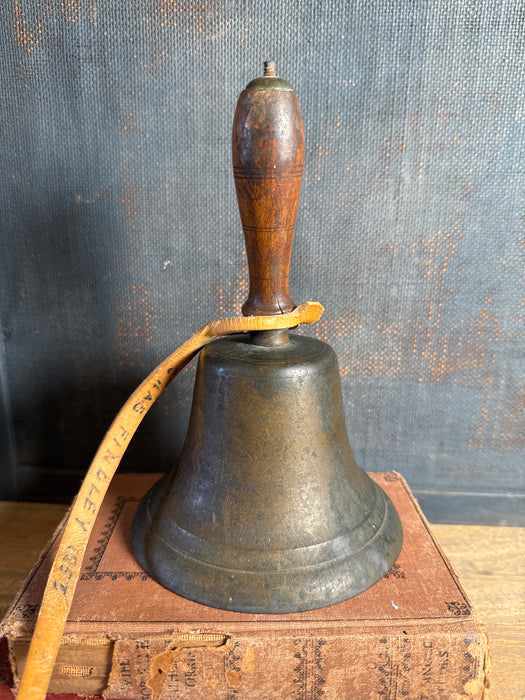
(269, 69)
(268, 158)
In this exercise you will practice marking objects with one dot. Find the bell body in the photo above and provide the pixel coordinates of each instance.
(266, 510)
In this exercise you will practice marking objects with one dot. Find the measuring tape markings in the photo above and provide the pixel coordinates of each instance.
(65, 571)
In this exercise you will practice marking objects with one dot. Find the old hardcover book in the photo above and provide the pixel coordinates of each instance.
(414, 634)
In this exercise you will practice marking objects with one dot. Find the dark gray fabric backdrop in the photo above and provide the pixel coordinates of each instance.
(121, 236)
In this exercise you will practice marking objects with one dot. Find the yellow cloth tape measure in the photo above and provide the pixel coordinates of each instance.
(62, 581)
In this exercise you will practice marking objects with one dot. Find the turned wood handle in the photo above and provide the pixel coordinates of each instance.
(268, 157)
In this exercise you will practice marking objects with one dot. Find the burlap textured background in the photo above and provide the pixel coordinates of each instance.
(120, 230)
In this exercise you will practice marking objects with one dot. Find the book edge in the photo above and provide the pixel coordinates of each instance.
(6, 622)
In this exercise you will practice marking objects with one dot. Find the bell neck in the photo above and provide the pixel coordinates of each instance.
(270, 338)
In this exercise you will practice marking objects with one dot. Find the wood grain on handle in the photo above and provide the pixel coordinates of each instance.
(268, 157)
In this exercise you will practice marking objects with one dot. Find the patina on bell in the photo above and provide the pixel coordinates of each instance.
(266, 510)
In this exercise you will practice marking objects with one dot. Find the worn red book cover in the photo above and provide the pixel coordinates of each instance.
(413, 634)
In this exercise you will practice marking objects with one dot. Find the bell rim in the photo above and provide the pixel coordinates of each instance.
(332, 581)
(182, 542)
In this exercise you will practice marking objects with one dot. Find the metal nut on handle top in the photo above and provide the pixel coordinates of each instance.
(269, 69)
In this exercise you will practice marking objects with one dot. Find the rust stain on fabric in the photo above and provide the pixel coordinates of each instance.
(419, 347)
(29, 28)
(209, 19)
(26, 38)
(414, 117)
(71, 9)
(128, 192)
(331, 328)
(501, 417)
(231, 294)
(135, 318)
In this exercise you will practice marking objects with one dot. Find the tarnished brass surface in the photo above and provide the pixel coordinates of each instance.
(267, 510)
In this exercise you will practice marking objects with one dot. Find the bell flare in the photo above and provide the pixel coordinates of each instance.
(266, 510)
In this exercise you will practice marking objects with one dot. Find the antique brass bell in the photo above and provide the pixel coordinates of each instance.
(266, 510)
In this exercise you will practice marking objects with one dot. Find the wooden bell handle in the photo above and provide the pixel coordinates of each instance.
(268, 158)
